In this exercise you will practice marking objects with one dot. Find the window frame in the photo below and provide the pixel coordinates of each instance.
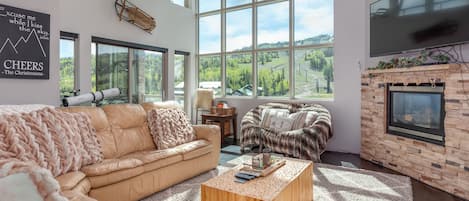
(64, 35)
(292, 47)
(186, 3)
(131, 47)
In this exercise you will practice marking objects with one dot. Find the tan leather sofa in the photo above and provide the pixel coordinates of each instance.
(133, 168)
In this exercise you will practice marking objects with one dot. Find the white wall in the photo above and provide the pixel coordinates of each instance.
(349, 50)
(14, 91)
(175, 30)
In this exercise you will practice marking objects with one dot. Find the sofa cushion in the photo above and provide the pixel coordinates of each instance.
(83, 187)
(161, 105)
(194, 149)
(111, 165)
(197, 152)
(169, 128)
(129, 127)
(115, 177)
(69, 180)
(102, 126)
(76, 196)
(156, 159)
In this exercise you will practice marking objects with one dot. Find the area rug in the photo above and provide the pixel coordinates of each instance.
(331, 183)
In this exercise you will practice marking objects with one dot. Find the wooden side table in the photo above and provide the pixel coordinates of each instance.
(222, 119)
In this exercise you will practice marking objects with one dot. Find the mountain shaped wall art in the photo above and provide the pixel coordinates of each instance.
(24, 43)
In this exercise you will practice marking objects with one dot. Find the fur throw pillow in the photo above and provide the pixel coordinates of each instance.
(170, 127)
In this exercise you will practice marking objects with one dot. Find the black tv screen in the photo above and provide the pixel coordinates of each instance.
(397, 26)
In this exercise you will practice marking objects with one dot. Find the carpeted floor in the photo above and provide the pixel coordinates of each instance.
(331, 183)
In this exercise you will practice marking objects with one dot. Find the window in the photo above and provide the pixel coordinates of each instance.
(209, 34)
(273, 25)
(239, 75)
(137, 70)
(148, 74)
(209, 5)
(239, 30)
(314, 77)
(266, 48)
(272, 73)
(210, 73)
(68, 60)
(231, 3)
(180, 63)
(179, 2)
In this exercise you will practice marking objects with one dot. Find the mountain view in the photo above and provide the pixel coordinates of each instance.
(313, 70)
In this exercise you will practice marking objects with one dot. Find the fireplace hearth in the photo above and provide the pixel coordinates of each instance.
(417, 112)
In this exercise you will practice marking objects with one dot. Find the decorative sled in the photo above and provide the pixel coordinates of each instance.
(129, 12)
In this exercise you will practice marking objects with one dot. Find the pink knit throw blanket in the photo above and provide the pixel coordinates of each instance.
(58, 141)
(44, 182)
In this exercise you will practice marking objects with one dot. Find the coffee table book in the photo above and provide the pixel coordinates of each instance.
(264, 172)
(291, 182)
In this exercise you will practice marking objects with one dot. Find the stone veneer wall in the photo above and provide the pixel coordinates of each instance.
(444, 167)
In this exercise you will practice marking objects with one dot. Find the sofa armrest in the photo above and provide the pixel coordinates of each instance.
(76, 196)
(210, 133)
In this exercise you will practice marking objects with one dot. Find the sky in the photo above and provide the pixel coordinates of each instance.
(66, 48)
(312, 18)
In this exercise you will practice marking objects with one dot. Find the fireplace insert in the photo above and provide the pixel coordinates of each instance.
(417, 112)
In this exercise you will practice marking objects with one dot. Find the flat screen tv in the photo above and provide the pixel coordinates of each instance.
(398, 26)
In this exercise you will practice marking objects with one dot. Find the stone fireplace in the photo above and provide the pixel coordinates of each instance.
(416, 122)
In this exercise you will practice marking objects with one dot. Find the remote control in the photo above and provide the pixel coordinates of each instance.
(244, 176)
(239, 180)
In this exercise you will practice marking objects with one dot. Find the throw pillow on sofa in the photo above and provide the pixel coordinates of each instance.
(58, 141)
(169, 128)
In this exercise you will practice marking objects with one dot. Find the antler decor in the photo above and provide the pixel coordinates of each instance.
(129, 12)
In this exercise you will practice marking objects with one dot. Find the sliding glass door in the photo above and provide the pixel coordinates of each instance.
(136, 71)
(148, 73)
(112, 71)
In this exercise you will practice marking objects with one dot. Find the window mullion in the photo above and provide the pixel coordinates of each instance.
(254, 48)
(291, 44)
(76, 62)
(130, 74)
(223, 48)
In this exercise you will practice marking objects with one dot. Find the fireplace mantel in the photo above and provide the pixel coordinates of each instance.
(444, 167)
(438, 67)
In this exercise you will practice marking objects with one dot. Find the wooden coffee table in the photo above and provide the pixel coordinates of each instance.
(292, 182)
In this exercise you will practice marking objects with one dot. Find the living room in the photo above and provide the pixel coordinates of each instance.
(332, 59)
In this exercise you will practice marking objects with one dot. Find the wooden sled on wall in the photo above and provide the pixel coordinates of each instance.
(129, 12)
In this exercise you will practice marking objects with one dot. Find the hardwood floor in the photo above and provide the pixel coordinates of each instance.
(421, 191)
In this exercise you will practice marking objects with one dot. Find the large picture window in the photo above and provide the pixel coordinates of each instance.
(137, 70)
(266, 48)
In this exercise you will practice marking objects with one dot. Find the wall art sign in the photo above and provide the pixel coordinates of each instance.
(24, 43)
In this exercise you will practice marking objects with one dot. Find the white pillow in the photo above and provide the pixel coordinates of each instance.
(267, 115)
(281, 124)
